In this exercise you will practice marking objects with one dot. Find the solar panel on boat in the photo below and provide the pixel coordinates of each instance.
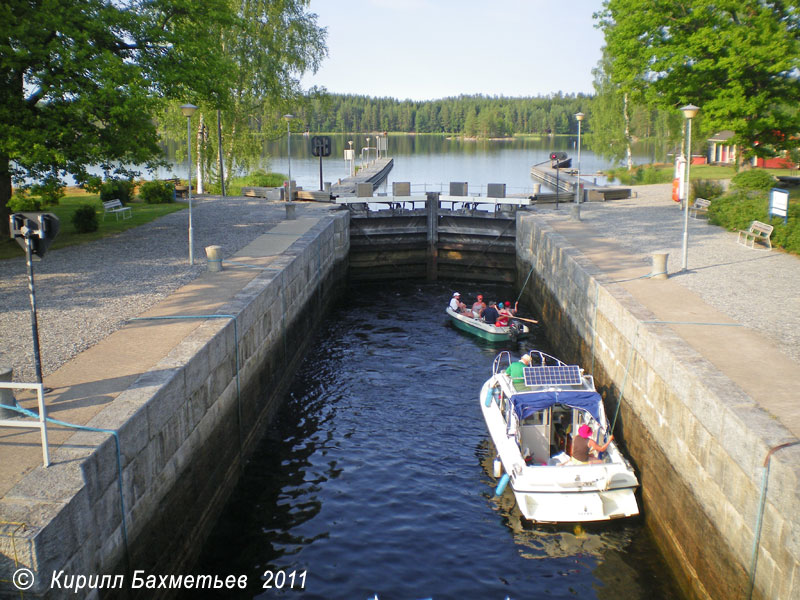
(552, 375)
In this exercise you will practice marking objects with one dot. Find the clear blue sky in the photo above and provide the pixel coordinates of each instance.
(427, 49)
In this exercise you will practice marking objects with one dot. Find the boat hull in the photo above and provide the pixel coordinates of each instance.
(487, 332)
(577, 507)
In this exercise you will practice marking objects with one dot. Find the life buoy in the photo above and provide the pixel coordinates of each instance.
(676, 189)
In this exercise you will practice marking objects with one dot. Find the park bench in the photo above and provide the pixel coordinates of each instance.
(700, 206)
(758, 231)
(115, 206)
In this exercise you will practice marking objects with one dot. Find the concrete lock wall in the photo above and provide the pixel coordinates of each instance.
(185, 428)
(697, 441)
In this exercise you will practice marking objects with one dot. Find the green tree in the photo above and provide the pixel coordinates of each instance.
(736, 59)
(81, 79)
(270, 44)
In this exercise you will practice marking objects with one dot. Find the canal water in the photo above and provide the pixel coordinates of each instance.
(375, 476)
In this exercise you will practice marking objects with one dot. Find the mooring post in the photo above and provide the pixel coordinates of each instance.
(432, 204)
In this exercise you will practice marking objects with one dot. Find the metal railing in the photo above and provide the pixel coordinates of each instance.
(41, 424)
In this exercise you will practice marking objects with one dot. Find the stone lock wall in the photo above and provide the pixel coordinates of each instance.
(697, 441)
(185, 428)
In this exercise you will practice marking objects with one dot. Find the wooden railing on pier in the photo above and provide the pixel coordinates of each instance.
(565, 181)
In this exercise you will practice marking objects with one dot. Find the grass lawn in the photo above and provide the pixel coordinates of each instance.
(67, 236)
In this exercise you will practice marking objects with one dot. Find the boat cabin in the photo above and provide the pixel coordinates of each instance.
(546, 411)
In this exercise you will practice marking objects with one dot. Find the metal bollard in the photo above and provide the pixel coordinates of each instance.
(659, 265)
(575, 212)
(290, 214)
(214, 259)
(7, 395)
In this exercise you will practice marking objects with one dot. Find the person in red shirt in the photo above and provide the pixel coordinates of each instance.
(583, 445)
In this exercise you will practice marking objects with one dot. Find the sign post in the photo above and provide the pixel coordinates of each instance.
(320, 146)
(34, 232)
(779, 203)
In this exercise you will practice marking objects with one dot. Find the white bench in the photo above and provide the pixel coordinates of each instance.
(758, 231)
(115, 206)
(700, 206)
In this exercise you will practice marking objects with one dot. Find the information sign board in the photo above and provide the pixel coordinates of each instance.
(779, 203)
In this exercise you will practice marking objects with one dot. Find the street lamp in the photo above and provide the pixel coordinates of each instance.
(689, 112)
(289, 150)
(579, 117)
(188, 111)
(352, 159)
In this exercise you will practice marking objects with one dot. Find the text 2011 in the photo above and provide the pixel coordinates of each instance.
(278, 580)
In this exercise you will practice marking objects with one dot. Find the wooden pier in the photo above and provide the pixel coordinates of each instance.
(565, 180)
(374, 173)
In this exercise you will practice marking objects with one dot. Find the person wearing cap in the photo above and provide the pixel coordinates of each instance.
(583, 445)
(516, 370)
(505, 313)
(457, 305)
(478, 307)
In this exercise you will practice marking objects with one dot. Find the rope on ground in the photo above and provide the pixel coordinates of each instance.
(633, 349)
(236, 346)
(596, 297)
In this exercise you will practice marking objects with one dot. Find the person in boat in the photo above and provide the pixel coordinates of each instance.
(583, 446)
(515, 370)
(457, 305)
(506, 312)
(490, 313)
(478, 307)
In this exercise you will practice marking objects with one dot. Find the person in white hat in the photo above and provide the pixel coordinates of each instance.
(456, 304)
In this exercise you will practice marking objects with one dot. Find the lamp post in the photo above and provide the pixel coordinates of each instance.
(289, 118)
(579, 117)
(689, 112)
(352, 159)
(188, 111)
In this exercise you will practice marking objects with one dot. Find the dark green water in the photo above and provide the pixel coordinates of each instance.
(375, 477)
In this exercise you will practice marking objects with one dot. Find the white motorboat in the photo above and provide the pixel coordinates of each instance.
(531, 424)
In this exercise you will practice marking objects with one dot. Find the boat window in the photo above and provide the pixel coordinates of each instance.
(536, 418)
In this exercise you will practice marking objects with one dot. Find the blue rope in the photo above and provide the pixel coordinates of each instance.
(522, 289)
(241, 264)
(32, 414)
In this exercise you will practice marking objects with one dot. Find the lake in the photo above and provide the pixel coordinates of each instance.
(430, 161)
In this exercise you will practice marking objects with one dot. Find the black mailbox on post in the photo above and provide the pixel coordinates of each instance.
(40, 228)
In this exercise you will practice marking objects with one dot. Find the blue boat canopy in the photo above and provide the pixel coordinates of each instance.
(527, 403)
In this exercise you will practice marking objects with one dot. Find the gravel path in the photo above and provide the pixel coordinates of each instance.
(759, 289)
(86, 292)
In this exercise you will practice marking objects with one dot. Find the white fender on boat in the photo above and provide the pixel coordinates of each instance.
(501, 487)
(497, 467)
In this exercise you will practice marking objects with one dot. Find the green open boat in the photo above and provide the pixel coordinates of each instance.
(490, 333)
